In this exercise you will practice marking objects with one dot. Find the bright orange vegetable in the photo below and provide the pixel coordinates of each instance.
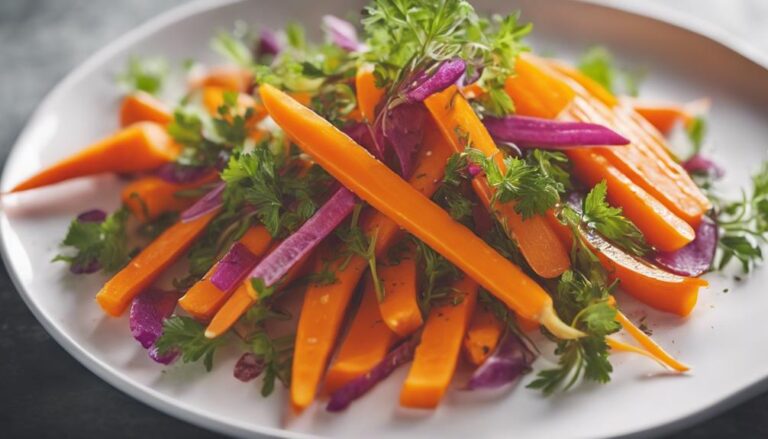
(150, 196)
(383, 189)
(438, 352)
(310, 359)
(213, 98)
(589, 84)
(204, 298)
(537, 242)
(143, 107)
(400, 307)
(483, 335)
(367, 342)
(230, 78)
(140, 147)
(368, 95)
(148, 265)
(662, 228)
(654, 350)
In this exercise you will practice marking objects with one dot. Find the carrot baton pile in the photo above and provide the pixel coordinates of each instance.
(425, 189)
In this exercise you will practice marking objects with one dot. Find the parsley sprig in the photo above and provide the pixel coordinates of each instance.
(147, 74)
(356, 243)
(611, 223)
(187, 336)
(104, 243)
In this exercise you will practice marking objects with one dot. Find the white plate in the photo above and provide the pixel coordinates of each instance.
(723, 339)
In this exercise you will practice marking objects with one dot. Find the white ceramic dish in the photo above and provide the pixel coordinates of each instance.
(722, 339)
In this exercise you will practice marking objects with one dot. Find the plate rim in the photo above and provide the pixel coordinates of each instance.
(188, 413)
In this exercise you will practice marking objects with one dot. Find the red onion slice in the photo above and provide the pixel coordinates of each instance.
(210, 202)
(698, 164)
(342, 33)
(233, 267)
(695, 258)
(510, 361)
(533, 132)
(447, 73)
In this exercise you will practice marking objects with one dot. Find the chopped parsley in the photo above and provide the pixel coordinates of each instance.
(187, 336)
(356, 243)
(144, 74)
(598, 64)
(103, 244)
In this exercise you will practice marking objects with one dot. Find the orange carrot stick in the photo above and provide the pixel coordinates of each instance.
(400, 307)
(310, 359)
(483, 335)
(438, 352)
(143, 107)
(383, 189)
(662, 228)
(538, 244)
(230, 78)
(148, 265)
(367, 342)
(653, 349)
(149, 197)
(204, 298)
(140, 147)
(368, 95)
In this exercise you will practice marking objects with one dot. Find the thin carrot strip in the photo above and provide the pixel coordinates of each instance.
(483, 335)
(430, 163)
(142, 146)
(368, 95)
(367, 342)
(204, 298)
(438, 352)
(538, 244)
(400, 307)
(651, 346)
(143, 107)
(149, 197)
(148, 265)
(372, 181)
(662, 228)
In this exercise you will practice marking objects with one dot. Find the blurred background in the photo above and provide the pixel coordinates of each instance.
(45, 392)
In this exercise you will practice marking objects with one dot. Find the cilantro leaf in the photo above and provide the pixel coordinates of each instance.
(610, 222)
(105, 243)
(187, 336)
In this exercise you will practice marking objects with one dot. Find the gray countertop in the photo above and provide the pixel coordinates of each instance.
(43, 391)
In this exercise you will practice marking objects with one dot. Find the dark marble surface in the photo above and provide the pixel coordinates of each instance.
(43, 391)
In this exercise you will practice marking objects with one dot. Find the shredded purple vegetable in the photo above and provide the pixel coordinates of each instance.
(92, 216)
(210, 202)
(361, 134)
(698, 164)
(447, 74)
(148, 312)
(249, 367)
(342, 33)
(533, 132)
(309, 235)
(403, 131)
(695, 258)
(510, 361)
(180, 174)
(343, 397)
(268, 44)
(233, 267)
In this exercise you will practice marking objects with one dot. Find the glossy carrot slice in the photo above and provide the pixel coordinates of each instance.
(438, 352)
(149, 197)
(143, 107)
(368, 95)
(383, 189)
(141, 147)
(483, 335)
(662, 228)
(204, 298)
(365, 345)
(400, 307)
(430, 163)
(148, 265)
(538, 244)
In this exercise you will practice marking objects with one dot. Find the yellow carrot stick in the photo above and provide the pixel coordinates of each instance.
(383, 189)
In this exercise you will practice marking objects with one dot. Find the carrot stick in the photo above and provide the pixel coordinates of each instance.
(143, 107)
(538, 244)
(367, 342)
(653, 349)
(213, 98)
(483, 335)
(230, 78)
(140, 147)
(436, 356)
(430, 164)
(400, 307)
(662, 228)
(149, 197)
(204, 298)
(593, 87)
(148, 265)
(368, 95)
(383, 189)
